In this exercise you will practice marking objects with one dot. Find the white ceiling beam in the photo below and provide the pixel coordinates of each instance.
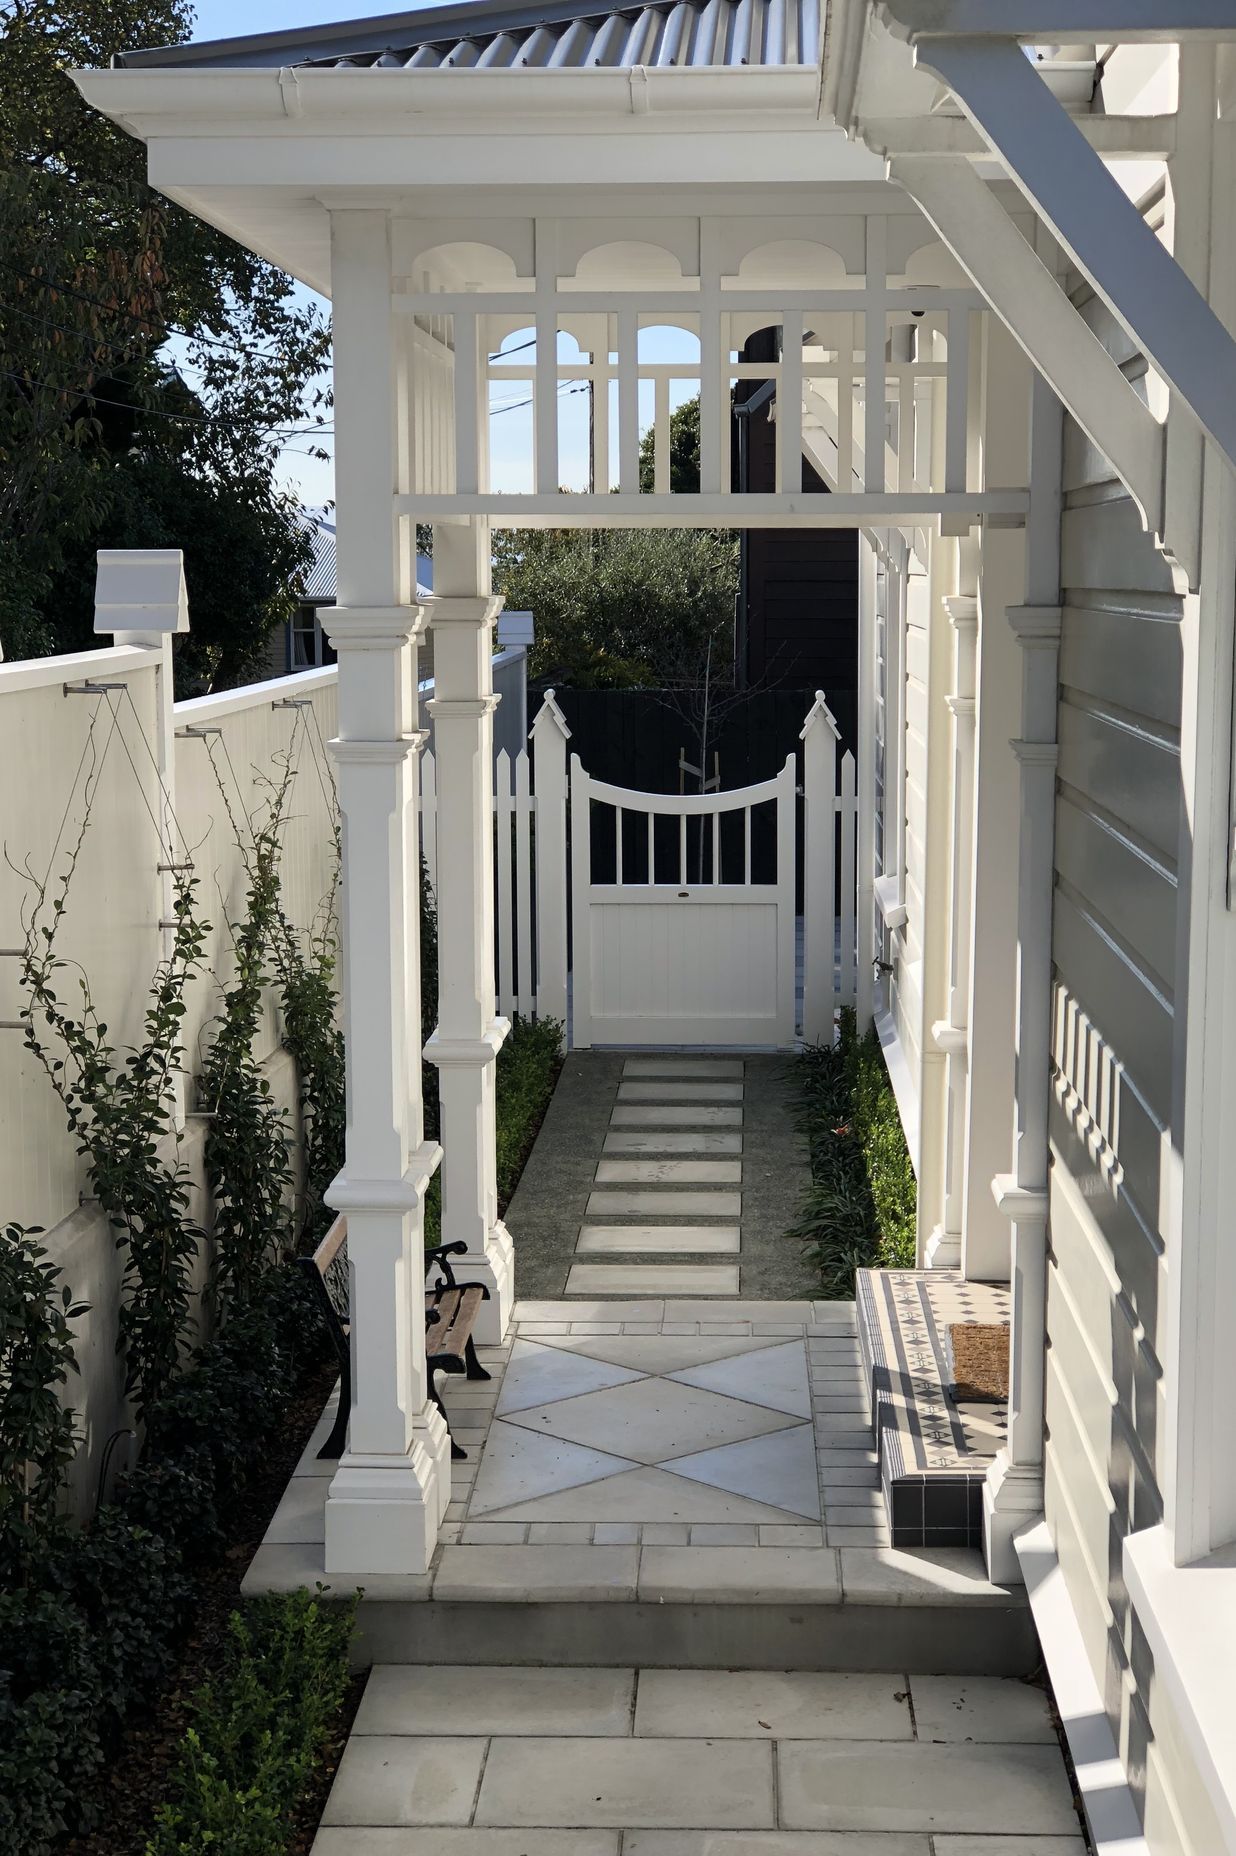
(1023, 292)
(1116, 138)
(1072, 22)
(1096, 223)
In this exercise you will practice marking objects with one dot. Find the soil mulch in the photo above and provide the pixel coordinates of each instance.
(980, 1357)
(138, 1777)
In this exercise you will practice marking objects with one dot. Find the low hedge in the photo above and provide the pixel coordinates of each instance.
(528, 1066)
(90, 1620)
(258, 1731)
(859, 1212)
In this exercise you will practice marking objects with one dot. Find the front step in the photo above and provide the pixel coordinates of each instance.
(958, 1638)
(934, 1452)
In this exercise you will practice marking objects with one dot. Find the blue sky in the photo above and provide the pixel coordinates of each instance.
(510, 430)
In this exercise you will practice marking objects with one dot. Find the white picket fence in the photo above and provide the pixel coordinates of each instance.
(530, 810)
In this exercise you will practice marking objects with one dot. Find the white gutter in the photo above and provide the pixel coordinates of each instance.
(155, 101)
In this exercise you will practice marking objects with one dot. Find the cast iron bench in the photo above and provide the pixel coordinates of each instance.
(451, 1309)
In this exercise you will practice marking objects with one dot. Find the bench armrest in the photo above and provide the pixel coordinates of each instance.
(440, 1256)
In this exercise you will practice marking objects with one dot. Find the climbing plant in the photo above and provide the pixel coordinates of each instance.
(247, 1139)
(119, 1105)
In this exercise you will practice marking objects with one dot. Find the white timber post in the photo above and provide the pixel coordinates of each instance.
(995, 831)
(140, 597)
(819, 737)
(550, 734)
(469, 1033)
(390, 1491)
(950, 1033)
(1013, 1496)
(864, 989)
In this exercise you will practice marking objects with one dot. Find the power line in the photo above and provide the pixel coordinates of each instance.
(163, 329)
(183, 418)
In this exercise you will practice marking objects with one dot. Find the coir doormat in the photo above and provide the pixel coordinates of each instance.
(979, 1358)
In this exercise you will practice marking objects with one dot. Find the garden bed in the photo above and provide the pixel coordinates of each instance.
(859, 1211)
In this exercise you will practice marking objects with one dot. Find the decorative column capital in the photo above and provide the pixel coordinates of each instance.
(1036, 626)
(960, 706)
(469, 1051)
(952, 1039)
(1020, 1204)
(376, 753)
(962, 609)
(1036, 753)
(445, 609)
(372, 628)
(461, 708)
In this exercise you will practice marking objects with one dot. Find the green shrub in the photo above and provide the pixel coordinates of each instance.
(89, 1642)
(38, 1436)
(258, 1731)
(859, 1212)
(528, 1066)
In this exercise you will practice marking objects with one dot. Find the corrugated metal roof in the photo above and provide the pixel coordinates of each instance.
(319, 585)
(555, 35)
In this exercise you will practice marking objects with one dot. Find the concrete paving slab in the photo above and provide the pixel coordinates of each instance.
(668, 1171)
(877, 1785)
(764, 1843)
(981, 1708)
(646, 1494)
(670, 1115)
(657, 1278)
(714, 1067)
(641, 1201)
(739, 1575)
(658, 1239)
(559, 1574)
(678, 1091)
(410, 1698)
(659, 1783)
(727, 1704)
(673, 1141)
(926, 1576)
(443, 1842)
(386, 1780)
(651, 1420)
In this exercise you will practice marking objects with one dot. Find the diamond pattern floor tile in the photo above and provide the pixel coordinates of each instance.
(537, 1374)
(656, 1353)
(777, 1469)
(517, 1463)
(646, 1494)
(652, 1420)
(776, 1377)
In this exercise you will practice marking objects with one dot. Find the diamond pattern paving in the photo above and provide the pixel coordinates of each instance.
(652, 1420)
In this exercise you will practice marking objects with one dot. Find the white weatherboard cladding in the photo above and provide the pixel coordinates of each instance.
(1114, 949)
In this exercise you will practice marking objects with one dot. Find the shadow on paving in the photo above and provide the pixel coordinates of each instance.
(548, 1208)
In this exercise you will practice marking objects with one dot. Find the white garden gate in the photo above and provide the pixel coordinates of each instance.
(683, 922)
(676, 943)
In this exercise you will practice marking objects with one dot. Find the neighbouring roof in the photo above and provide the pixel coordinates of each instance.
(557, 35)
(319, 583)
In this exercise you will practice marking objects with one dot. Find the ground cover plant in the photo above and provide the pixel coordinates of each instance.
(859, 1210)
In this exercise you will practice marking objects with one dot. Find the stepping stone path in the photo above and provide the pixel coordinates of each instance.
(664, 1216)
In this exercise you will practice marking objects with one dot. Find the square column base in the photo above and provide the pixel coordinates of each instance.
(383, 1512)
(495, 1267)
(1012, 1500)
(943, 1250)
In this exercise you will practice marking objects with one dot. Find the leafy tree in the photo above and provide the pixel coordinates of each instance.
(620, 608)
(684, 471)
(102, 282)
